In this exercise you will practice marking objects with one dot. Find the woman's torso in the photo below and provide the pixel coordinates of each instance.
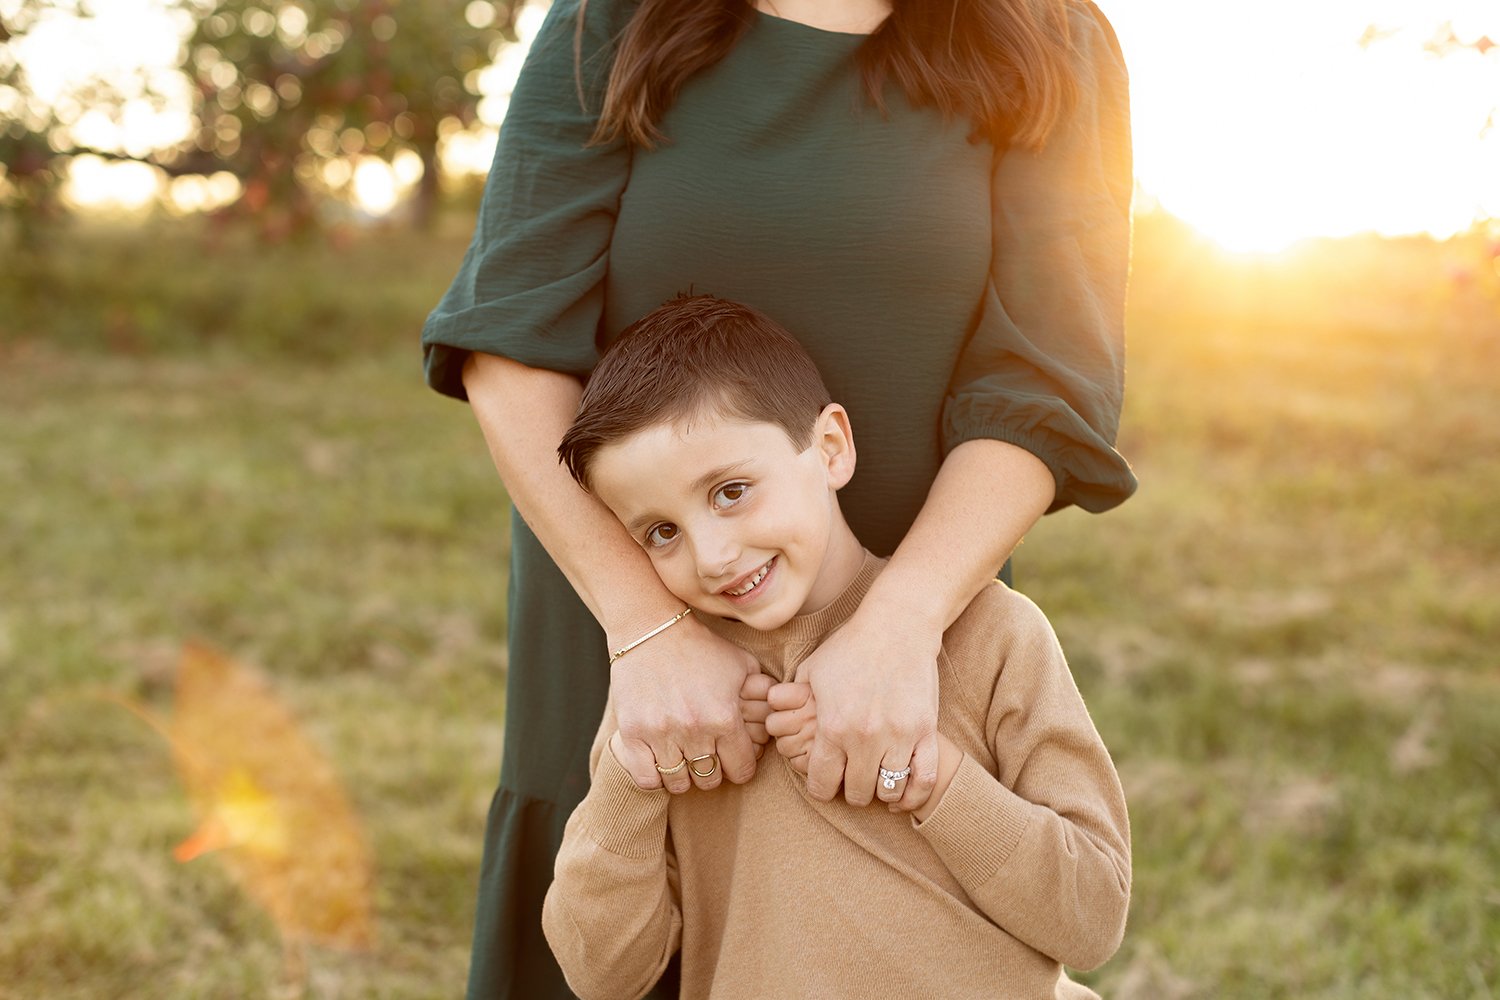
(866, 236)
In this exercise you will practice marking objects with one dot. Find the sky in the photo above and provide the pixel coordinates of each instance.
(1258, 124)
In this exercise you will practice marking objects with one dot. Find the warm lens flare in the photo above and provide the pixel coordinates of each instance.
(269, 804)
(243, 815)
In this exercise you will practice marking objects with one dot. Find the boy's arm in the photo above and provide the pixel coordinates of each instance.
(612, 914)
(1044, 849)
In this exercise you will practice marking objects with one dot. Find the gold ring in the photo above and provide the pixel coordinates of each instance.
(674, 768)
(710, 771)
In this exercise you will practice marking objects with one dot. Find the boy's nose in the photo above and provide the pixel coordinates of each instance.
(716, 553)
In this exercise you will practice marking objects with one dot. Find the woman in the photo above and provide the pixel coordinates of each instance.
(935, 199)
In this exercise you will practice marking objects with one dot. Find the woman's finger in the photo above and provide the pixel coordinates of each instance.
(860, 774)
(758, 735)
(673, 767)
(703, 767)
(636, 758)
(924, 762)
(825, 770)
(796, 745)
(893, 774)
(735, 752)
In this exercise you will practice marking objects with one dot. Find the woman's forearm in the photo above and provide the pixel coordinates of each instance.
(665, 712)
(987, 495)
(524, 413)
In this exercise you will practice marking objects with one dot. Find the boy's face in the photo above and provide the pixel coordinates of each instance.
(737, 521)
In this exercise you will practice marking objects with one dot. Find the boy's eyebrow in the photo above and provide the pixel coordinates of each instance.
(638, 525)
(712, 476)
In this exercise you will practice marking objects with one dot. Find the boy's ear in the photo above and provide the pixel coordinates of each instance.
(835, 440)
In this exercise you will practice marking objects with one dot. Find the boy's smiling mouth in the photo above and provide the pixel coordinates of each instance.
(747, 586)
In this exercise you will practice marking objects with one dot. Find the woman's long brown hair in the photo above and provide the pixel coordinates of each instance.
(1004, 64)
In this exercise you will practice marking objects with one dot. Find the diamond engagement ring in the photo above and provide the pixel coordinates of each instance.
(889, 778)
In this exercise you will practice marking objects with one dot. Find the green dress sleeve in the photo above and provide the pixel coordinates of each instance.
(1045, 367)
(531, 285)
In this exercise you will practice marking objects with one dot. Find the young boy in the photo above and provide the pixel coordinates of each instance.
(707, 430)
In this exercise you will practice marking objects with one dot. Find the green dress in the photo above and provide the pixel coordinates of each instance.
(947, 290)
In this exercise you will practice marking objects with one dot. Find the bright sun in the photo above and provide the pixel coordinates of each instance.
(1262, 125)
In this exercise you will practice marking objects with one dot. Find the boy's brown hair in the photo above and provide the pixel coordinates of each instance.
(694, 355)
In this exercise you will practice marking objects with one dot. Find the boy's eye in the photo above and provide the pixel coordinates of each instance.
(730, 494)
(661, 534)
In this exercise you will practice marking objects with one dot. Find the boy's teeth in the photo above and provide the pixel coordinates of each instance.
(753, 582)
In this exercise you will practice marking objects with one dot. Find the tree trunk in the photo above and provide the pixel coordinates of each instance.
(428, 188)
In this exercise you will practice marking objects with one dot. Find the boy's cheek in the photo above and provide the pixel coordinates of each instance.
(680, 582)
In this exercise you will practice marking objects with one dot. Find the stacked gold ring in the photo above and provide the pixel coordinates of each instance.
(674, 768)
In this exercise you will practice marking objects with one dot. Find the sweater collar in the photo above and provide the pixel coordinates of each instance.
(779, 650)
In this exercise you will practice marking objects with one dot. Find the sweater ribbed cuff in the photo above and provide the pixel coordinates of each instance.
(977, 824)
(626, 819)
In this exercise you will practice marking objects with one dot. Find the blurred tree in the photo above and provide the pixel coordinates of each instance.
(284, 89)
(25, 158)
(34, 136)
(284, 94)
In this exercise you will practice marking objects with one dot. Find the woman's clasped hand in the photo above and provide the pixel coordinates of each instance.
(860, 716)
(678, 698)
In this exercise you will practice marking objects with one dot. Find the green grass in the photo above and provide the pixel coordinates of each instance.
(1288, 638)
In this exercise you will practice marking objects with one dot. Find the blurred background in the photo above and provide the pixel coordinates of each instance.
(252, 572)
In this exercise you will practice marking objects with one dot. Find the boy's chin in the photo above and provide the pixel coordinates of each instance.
(767, 624)
(762, 619)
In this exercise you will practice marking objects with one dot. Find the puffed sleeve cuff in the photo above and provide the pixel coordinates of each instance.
(531, 284)
(550, 325)
(1095, 478)
(977, 824)
(1044, 367)
(624, 818)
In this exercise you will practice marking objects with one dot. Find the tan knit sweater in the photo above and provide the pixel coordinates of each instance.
(1023, 867)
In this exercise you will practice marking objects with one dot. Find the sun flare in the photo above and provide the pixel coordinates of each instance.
(1262, 126)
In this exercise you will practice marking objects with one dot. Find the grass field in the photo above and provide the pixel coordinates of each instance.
(1288, 638)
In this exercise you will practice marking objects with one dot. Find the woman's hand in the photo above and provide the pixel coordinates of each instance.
(875, 685)
(794, 726)
(875, 679)
(678, 697)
